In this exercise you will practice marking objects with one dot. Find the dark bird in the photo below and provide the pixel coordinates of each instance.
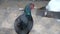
(24, 23)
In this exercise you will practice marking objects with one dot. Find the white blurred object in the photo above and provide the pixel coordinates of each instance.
(45, 13)
(21, 9)
(58, 20)
(35, 7)
(53, 5)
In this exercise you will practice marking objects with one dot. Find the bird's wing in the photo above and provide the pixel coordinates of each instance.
(17, 21)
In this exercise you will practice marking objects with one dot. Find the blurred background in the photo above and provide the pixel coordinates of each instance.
(9, 11)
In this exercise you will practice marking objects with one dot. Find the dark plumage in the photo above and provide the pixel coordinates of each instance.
(24, 23)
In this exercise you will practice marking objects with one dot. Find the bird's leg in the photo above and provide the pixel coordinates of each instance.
(27, 32)
(17, 33)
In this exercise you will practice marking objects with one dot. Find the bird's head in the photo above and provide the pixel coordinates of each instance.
(28, 8)
(31, 6)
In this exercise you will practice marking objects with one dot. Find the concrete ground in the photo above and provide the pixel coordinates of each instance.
(9, 11)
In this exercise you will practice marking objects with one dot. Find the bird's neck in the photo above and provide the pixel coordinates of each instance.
(27, 12)
(29, 17)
